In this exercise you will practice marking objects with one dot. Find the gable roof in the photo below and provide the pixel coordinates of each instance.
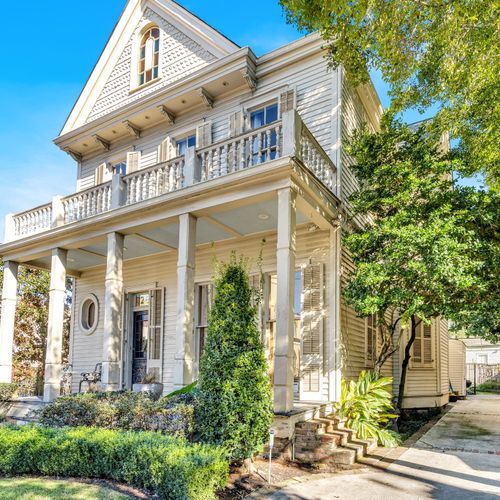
(203, 35)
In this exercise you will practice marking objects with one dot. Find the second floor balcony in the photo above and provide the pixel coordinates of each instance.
(288, 137)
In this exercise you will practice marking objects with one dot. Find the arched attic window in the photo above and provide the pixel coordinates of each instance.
(149, 55)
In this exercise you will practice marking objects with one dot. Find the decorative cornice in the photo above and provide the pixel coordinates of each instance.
(169, 115)
(207, 99)
(74, 154)
(102, 142)
(250, 79)
(133, 129)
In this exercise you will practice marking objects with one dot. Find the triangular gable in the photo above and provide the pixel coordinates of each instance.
(187, 44)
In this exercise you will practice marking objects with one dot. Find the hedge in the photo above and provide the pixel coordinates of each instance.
(121, 410)
(7, 391)
(166, 466)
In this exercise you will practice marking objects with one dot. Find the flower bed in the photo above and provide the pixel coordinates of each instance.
(166, 466)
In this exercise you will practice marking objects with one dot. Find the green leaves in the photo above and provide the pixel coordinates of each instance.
(366, 406)
(430, 52)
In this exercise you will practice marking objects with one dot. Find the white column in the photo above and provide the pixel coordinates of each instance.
(334, 332)
(183, 373)
(285, 258)
(55, 326)
(8, 315)
(113, 306)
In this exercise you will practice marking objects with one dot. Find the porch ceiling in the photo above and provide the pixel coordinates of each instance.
(220, 224)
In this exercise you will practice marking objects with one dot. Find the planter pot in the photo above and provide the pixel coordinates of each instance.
(156, 389)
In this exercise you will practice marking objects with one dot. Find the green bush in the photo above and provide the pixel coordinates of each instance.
(491, 386)
(7, 391)
(120, 410)
(167, 466)
(234, 394)
(367, 407)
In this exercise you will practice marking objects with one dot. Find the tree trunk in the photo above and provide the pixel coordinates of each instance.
(406, 361)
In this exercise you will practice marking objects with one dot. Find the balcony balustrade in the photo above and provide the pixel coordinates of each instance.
(287, 137)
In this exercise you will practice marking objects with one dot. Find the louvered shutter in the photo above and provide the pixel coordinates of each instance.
(286, 101)
(311, 322)
(236, 124)
(100, 174)
(133, 161)
(155, 341)
(417, 346)
(166, 149)
(204, 134)
(427, 344)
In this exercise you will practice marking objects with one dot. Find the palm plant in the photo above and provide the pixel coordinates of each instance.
(367, 407)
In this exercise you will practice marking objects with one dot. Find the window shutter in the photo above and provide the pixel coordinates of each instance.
(166, 150)
(286, 101)
(101, 174)
(427, 343)
(133, 161)
(155, 344)
(311, 378)
(312, 314)
(417, 346)
(235, 124)
(204, 134)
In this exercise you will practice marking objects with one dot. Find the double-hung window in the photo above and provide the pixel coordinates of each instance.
(184, 143)
(264, 145)
(120, 167)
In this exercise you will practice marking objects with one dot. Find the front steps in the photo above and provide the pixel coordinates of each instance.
(325, 440)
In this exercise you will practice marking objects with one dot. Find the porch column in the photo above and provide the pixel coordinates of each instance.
(8, 315)
(113, 306)
(55, 325)
(285, 258)
(183, 371)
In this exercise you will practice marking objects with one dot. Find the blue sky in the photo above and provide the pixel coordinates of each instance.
(46, 60)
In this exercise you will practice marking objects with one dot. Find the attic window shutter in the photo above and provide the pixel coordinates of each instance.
(312, 315)
(166, 149)
(286, 101)
(204, 134)
(235, 124)
(133, 161)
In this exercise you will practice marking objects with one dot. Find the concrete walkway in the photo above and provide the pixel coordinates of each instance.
(458, 458)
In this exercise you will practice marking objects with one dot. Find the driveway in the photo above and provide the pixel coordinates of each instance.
(458, 458)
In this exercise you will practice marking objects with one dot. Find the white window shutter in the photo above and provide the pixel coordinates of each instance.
(312, 309)
(235, 124)
(417, 346)
(286, 101)
(133, 161)
(155, 341)
(166, 149)
(204, 134)
(101, 174)
(427, 344)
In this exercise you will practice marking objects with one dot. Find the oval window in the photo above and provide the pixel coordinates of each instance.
(89, 314)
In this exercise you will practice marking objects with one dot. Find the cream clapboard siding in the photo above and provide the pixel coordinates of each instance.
(160, 271)
(457, 366)
(180, 56)
(315, 93)
(444, 356)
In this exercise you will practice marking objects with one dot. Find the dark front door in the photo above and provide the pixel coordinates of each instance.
(140, 345)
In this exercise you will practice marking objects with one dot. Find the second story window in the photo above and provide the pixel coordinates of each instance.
(264, 116)
(184, 143)
(264, 144)
(120, 167)
(149, 55)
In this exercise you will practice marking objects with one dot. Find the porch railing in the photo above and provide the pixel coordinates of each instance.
(287, 137)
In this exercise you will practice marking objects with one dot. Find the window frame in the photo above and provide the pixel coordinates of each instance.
(155, 68)
(184, 137)
(87, 301)
(423, 364)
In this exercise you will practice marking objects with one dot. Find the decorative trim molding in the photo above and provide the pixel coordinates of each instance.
(169, 115)
(250, 79)
(133, 129)
(74, 154)
(102, 142)
(207, 99)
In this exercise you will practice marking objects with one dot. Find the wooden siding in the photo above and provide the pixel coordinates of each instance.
(180, 56)
(160, 271)
(457, 366)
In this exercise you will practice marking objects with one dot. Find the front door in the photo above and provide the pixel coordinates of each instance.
(140, 332)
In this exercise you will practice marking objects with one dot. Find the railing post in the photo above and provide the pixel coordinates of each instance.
(57, 211)
(192, 167)
(292, 127)
(9, 228)
(118, 191)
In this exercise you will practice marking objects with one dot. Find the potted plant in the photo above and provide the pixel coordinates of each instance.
(149, 384)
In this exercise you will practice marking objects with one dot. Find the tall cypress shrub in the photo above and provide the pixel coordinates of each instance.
(235, 398)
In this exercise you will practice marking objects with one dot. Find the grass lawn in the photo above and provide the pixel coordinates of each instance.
(39, 489)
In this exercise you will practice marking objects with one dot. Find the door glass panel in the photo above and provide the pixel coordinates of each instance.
(140, 341)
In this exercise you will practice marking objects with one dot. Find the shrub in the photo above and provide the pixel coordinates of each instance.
(490, 386)
(366, 405)
(120, 410)
(167, 466)
(7, 391)
(234, 394)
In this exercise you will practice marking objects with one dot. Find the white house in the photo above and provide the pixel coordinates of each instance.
(188, 146)
(481, 351)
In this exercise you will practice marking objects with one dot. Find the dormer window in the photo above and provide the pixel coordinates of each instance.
(149, 55)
